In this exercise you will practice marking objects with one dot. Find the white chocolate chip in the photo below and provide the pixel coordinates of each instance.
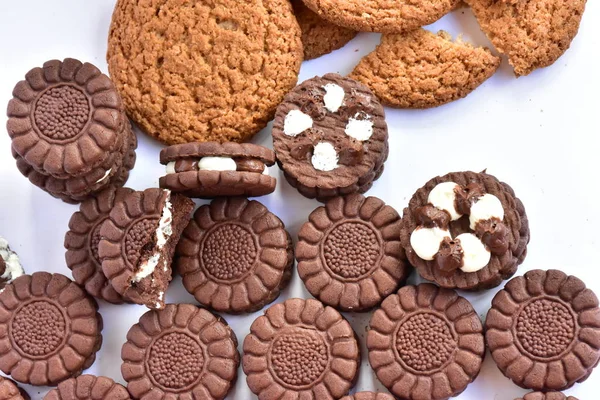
(359, 129)
(171, 168)
(426, 241)
(475, 255)
(217, 164)
(443, 197)
(486, 207)
(324, 158)
(334, 97)
(296, 122)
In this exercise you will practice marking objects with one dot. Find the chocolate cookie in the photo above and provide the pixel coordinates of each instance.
(181, 352)
(65, 118)
(301, 349)
(89, 387)
(235, 256)
(137, 242)
(330, 137)
(420, 69)
(546, 396)
(211, 169)
(368, 396)
(382, 15)
(50, 329)
(426, 343)
(543, 330)
(10, 391)
(533, 34)
(319, 36)
(83, 238)
(10, 265)
(219, 77)
(465, 230)
(349, 253)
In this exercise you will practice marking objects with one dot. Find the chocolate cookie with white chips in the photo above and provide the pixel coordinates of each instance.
(10, 265)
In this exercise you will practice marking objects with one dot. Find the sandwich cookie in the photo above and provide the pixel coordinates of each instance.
(88, 387)
(546, 396)
(368, 396)
(9, 390)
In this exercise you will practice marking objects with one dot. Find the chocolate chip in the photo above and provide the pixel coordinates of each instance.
(249, 165)
(430, 217)
(302, 151)
(494, 234)
(467, 195)
(450, 255)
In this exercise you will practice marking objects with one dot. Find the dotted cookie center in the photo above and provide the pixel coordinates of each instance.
(38, 328)
(138, 236)
(299, 358)
(425, 342)
(351, 250)
(545, 328)
(175, 361)
(229, 252)
(61, 112)
(95, 241)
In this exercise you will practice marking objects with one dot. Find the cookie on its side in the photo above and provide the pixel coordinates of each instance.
(88, 387)
(9, 390)
(546, 396)
(420, 69)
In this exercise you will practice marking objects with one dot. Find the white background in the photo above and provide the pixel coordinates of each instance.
(538, 133)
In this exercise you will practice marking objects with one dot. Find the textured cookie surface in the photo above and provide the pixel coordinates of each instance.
(546, 396)
(533, 34)
(420, 69)
(50, 322)
(319, 36)
(190, 71)
(301, 349)
(235, 256)
(425, 343)
(88, 387)
(382, 15)
(349, 253)
(180, 352)
(368, 396)
(543, 330)
(10, 391)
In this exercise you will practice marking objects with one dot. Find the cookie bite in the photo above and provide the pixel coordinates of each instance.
(330, 137)
(10, 265)
(9, 390)
(543, 331)
(465, 230)
(546, 396)
(301, 349)
(425, 343)
(235, 256)
(88, 387)
(211, 169)
(137, 243)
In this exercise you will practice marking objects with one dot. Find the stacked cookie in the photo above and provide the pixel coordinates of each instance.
(70, 135)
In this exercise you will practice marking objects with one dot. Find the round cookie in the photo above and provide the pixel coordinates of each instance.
(88, 387)
(330, 137)
(181, 352)
(543, 330)
(83, 238)
(349, 253)
(473, 249)
(247, 55)
(301, 349)
(10, 265)
(426, 343)
(9, 390)
(50, 329)
(235, 256)
(65, 118)
(546, 396)
(368, 396)
(319, 36)
(381, 15)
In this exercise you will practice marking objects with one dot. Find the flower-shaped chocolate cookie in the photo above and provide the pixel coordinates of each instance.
(546, 396)
(368, 396)
(10, 391)
(88, 387)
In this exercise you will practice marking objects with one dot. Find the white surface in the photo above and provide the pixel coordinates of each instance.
(538, 133)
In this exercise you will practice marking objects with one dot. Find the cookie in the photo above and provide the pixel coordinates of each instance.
(546, 396)
(235, 256)
(218, 77)
(10, 391)
(543, 330)
(211, 169)
(301, 349)
(425, 343)
(319, 36)
(88, 387)
(349, 253)
(65, 118)
(10, 265)
(181, 352)
(83, 238)
(380, 15)
(465, 230)
(420, 69)
(50, 329)
(533, 34)
(330, 137)
(368, 396)
(137, 242)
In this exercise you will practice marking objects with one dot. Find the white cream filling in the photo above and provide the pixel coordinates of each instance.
(359, 129)
(475, 255)
(14, 269)
(105, 176)
(296, 122)
(426, 241)
(334, 97)
(487, 206)
(217, 164)
(161, 296)
(266, 170)
(443, 197)
(324, 158)
(171, 168)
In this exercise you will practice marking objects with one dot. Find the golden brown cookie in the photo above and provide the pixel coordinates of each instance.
(533, 34)
(203, 71)
(420, 69)
(319, 36)
(382, 15)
